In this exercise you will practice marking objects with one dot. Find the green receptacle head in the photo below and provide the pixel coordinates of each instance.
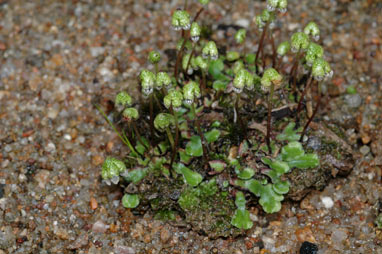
(147, 82)
(210, 51)
(280, 5)
(123, 99)
(130, 114)
(191, 91)
(321, 69)
(270, 76)
(299, 41)
(243, 79)
(181, 20)
(174, 98)
(313, 52)
(154, 57)
(162, 79)
(195, 32)
(163, 121)
(312, 29)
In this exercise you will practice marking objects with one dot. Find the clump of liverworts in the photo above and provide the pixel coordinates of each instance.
(211, 119)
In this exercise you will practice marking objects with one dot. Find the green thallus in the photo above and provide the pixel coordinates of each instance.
(181, 20)
(240, 36)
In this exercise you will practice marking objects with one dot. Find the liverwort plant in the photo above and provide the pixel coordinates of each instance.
(216, 123)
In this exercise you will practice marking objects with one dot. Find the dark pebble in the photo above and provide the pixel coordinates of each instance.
(308, 248)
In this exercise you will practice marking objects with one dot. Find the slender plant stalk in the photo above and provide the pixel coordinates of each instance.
(191, 55)
(139, 135)
(123, 137)
(261, 43)
(170, 138)
(176, 136)
(151, 114)
(205, 155)
(299, 106)
(203, 85)
(314, 113)
(274, 51)
(293, 72)
(268, 138)
(242, 126)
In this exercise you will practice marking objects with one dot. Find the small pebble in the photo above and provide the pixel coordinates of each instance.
(327, 202)
(308, 248)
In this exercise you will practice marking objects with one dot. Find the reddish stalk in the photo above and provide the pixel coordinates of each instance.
(314, 113)
(299, 106)
(261, 43)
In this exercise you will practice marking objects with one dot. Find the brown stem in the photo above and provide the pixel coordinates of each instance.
(191, 55)
(268, 138)
(260, 48)
(299, 106)
(242, 126)
(274, 51)
(293, 71)
(314, 113)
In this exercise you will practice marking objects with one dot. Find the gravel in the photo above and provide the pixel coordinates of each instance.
(58, 58)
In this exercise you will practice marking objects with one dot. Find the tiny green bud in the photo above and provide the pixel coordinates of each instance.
(174, 98)
(270, 76)
(123, 99)
(190, 91)
(163, 121)
(201, 63)
(181, 20)
(195, 32)
(312, 29)
(321, 69)
(154, 57)
(147, 82)
(281, 5)
(210, 50)
(237, 66)
(130, 114)
(299, 41)
(264, 18)
(204, 2)
(233, 55)
(283, 48)
(314, 51)
(163, 79)
(111, 169)
(240, 35)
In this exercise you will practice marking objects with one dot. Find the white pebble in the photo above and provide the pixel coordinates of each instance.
(327, 201)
